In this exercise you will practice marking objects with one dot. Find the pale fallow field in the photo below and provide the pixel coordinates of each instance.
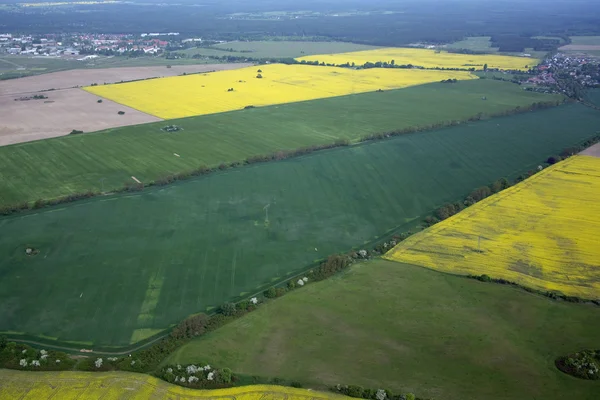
(69, 108)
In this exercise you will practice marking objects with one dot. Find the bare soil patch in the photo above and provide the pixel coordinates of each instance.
(593, 151)
(63, 111)
(580, 47)
(86, 77)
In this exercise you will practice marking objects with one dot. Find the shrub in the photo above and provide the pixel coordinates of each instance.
(133, 186)
(480, 193)
(584, 364)
(355, 391)
(99, 100)
(330, 267)
(225, 375)
(216, 321)
(39, 203)
(190, 327)
(553, 160)
(430, 220)
(75, 132)
(242, 305)
(121, 112)
(500, 185)
(270, 293)
(259, 76)
(228, 309)
(410, 396)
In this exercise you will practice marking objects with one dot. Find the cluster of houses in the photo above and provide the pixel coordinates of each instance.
(583, 69)
(85, 44)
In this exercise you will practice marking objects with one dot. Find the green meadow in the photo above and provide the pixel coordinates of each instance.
(402, 327)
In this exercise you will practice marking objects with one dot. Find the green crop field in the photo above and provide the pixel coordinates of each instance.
(114, 269)
(586, 40)
(593, 96)
(475, 43)
(277, 49)
(397, 326)
(107, 159)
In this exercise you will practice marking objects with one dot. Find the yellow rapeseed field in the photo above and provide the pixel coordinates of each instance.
(184, 96)
(426, 58)
(541, 233)
(124, 385)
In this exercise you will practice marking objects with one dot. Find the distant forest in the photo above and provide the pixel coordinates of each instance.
(511, 23)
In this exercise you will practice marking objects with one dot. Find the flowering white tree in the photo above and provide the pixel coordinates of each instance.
(23, 362)
(300, 282)
(98, 362)
(170, 370)
(207, 367)
(254, 300)
(192, 379)
(305, 279)
(211, 376)
(133, 363)
(191, 369)
(58, 361)
(381, 394)
(35, 363)
(113, 359)
(43, 352)
(43, 356)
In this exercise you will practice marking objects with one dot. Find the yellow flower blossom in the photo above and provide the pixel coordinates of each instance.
(541, 233)
(426, 58)
(126, 385)
(199, 94)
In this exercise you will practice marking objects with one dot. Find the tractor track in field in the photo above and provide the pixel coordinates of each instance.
(78, 349)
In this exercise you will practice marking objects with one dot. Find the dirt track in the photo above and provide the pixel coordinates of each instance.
(86, 77)
(592, 151)
(63, 111)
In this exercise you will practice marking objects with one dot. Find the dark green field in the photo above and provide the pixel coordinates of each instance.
(277, 49)
(22, 66)
(593, 96)
(116, 264)
(60, 166)
(397, 326)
